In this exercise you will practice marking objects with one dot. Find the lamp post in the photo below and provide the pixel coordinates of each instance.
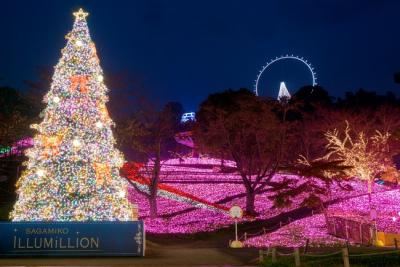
(236, 213)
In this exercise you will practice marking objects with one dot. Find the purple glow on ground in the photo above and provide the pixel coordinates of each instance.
(387, 206)
(296, 233)
(209, 183)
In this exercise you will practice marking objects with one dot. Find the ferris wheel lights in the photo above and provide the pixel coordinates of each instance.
(273, 60)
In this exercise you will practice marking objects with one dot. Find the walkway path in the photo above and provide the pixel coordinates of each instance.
(156, 255)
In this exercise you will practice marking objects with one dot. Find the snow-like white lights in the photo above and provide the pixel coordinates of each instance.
(76, 143)
(40, 172)
(79, 43)
(56, 99)
(99, 124)
(394, 219)
(100, 78)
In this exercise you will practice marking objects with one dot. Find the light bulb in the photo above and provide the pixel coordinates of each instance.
(122, 193)
(40, 172)
(79, 43)
(100, 78)
(99, 124)
(56, 99)
(76, 143)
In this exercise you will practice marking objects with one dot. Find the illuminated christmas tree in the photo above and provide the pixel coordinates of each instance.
(73, 169)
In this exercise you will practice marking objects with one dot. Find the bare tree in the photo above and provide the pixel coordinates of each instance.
(14, 119)
(243, 127)
(150, 133)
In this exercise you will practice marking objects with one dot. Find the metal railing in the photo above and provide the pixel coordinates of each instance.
(265, 230)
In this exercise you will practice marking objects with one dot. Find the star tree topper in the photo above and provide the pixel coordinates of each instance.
(80, 14)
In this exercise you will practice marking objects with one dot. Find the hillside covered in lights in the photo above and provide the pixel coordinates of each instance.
(203, 178)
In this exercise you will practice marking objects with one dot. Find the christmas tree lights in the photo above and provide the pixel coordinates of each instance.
(73, 169)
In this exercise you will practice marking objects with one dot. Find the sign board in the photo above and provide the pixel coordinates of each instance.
(72, 239)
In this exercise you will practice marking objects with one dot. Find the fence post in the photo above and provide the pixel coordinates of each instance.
(274, 254)
(245, 236)
(261, 255)
(334, 225)
(345, 256)
(296, 257)
(306, 248)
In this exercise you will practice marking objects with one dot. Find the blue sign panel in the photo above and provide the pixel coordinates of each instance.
(72, 238)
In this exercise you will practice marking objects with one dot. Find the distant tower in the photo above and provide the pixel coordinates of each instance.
(283, 92)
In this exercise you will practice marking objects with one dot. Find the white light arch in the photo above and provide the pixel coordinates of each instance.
(285, 57)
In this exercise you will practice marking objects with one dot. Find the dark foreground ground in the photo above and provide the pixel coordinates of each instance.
(157, 254)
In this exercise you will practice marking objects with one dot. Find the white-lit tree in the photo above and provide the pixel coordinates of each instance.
(73, 169)
(366, 154)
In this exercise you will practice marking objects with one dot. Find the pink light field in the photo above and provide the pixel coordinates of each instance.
(202, 178)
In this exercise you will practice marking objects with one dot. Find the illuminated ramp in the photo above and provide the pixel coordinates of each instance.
(131, 172)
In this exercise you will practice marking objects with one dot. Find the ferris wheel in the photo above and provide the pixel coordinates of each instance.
(282, 58)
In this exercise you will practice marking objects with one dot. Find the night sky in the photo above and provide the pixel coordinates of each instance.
(184, 50)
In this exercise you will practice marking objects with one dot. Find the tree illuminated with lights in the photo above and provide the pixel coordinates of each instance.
(365, 154)
(73, 169)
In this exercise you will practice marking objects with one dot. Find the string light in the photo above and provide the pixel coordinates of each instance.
(122, 193)
(212, 186)
(76, 143)
(40, 172)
